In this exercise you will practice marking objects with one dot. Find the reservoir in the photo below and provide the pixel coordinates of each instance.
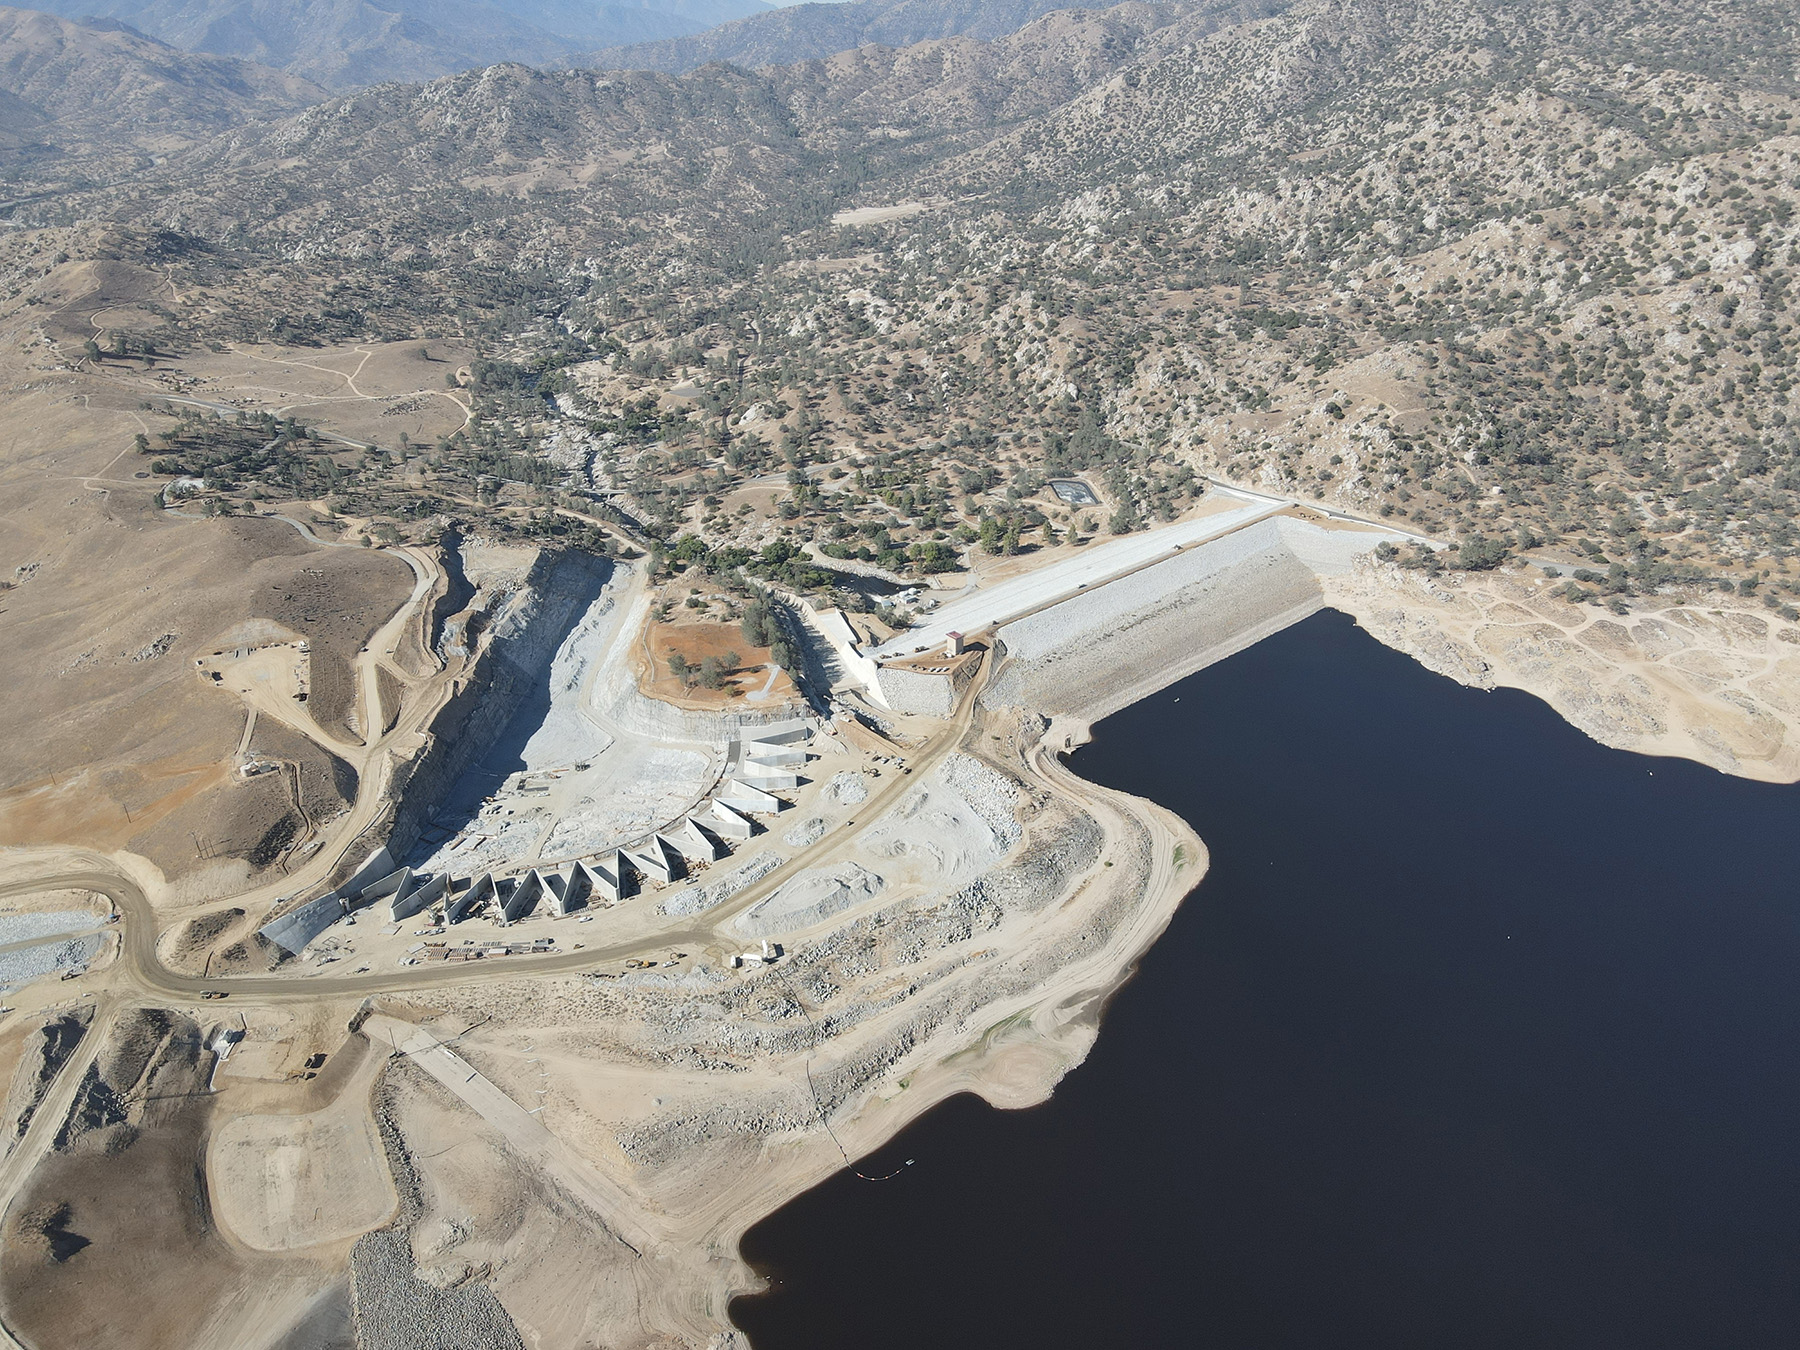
(1476, 1034)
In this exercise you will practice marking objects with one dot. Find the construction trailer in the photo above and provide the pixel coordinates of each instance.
(525, 896)
(467, 903)
(729, 822)
(740, 796)
(417, 896)
(700, 846)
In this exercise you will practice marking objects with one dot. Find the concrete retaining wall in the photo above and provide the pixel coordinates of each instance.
(1107, 648)
(461, 907)
(409, 903)
(740, 796)
(294, 931)
(730, 823)
(525, 896)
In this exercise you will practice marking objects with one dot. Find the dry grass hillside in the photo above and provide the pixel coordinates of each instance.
(108, 598)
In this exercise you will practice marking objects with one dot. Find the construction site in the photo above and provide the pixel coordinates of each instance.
(588, 972)
(660, 958)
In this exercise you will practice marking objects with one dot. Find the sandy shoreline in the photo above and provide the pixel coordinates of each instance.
(1006, 1022)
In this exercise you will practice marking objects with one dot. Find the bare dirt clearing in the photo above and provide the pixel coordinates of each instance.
(369, 392)
(1718, 684)
(283, 1182)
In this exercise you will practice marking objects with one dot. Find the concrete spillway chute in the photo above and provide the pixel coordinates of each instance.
(394, 885)
(525, 896)
(783, 733)
(673, 854)
(377, 865)
(740, 796)
(651, 861)
(761, 755)
(770, 780)
(572, 891)
(421, 894)
(606, 877)
(294, 931)
(470, 900)
(697, 845)
(730, 823)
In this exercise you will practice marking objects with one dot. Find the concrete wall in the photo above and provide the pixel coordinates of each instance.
(294, 931)
(740, 796)
(674, 854)
(459, 908)
(1106, 648)
(525, 896)
(770, 780)
(730, 823)
(651, 864)
(609, 876)
(699, 845)
(416, 898)
(394, 884)
(758, 754)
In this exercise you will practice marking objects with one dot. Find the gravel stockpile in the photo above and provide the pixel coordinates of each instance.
(32, 963)
(25, 927)
(698, 899)
(808, 831)
(810, 898)
(847, 789)
(396, 1310)
(992, 795)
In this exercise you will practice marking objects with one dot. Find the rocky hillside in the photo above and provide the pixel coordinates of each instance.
(1518, 273)
(346, 44)
(83, 101)
(811, 32)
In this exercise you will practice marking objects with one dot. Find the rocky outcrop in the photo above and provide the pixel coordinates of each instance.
(508, 667)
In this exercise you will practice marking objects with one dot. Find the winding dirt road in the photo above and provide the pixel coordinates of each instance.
(140, 967)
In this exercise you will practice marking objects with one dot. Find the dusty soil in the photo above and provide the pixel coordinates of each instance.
(371, 392)
(291, 1181)
(106, 599)
(1704, 677)
(697, 641)
(112, 1242)
(113, 739)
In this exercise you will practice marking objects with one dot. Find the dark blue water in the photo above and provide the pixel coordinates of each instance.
(1476, 1034)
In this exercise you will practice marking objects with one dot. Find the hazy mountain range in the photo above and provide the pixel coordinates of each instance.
(809, 32)
(344, 44)
(79, 101)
